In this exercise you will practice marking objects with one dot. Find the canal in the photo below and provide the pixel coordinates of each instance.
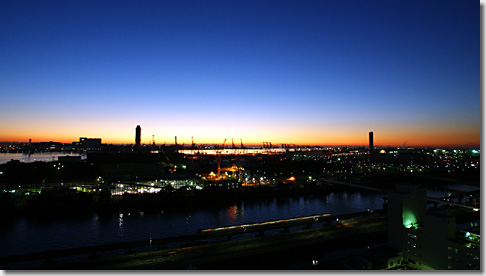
(26, 235)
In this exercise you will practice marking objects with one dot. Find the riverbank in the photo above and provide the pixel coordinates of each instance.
(65, 202)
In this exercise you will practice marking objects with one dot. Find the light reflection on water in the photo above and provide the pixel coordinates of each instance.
(120, 225)
(25, 235)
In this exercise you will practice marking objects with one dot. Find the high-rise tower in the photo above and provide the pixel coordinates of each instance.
(138, 133)
(371, 143)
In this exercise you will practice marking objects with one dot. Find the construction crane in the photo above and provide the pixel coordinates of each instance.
(172, 167)
(218, 156)
(242, 143)
(233, 144)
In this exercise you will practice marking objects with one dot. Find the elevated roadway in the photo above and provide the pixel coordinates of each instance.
(444, 200)
(332, 181)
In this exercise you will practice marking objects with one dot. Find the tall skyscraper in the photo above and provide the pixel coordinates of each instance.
(371, 143)
(138, 133)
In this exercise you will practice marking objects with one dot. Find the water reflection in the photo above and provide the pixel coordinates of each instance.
(39, 156)
(121, 229)
(232, 212)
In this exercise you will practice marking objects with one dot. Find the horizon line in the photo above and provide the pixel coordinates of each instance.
(277, 145)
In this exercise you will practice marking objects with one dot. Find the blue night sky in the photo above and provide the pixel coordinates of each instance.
(304, 72)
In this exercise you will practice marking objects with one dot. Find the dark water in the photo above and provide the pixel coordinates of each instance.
(31, 235)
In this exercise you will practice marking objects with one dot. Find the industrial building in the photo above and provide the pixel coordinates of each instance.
(88, 143)
(429, 239)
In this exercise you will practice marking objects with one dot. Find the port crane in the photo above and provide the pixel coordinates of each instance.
(233, 146)
(218, 156)
(172, 167)
(193, 144)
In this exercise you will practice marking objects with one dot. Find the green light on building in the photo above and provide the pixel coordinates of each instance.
(408, 219)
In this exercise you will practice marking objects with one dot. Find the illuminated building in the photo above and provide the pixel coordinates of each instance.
(138, 133)
(229, 178)
(428, 239)
(406, 207)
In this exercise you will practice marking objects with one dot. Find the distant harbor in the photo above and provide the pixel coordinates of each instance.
(38, 156)
(249, 151)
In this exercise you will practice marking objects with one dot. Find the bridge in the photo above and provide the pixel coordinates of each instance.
(458, 195)
(332, 181)
(283, 224)
(446, 201)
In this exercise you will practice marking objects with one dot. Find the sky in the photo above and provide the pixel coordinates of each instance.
(298, 72)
